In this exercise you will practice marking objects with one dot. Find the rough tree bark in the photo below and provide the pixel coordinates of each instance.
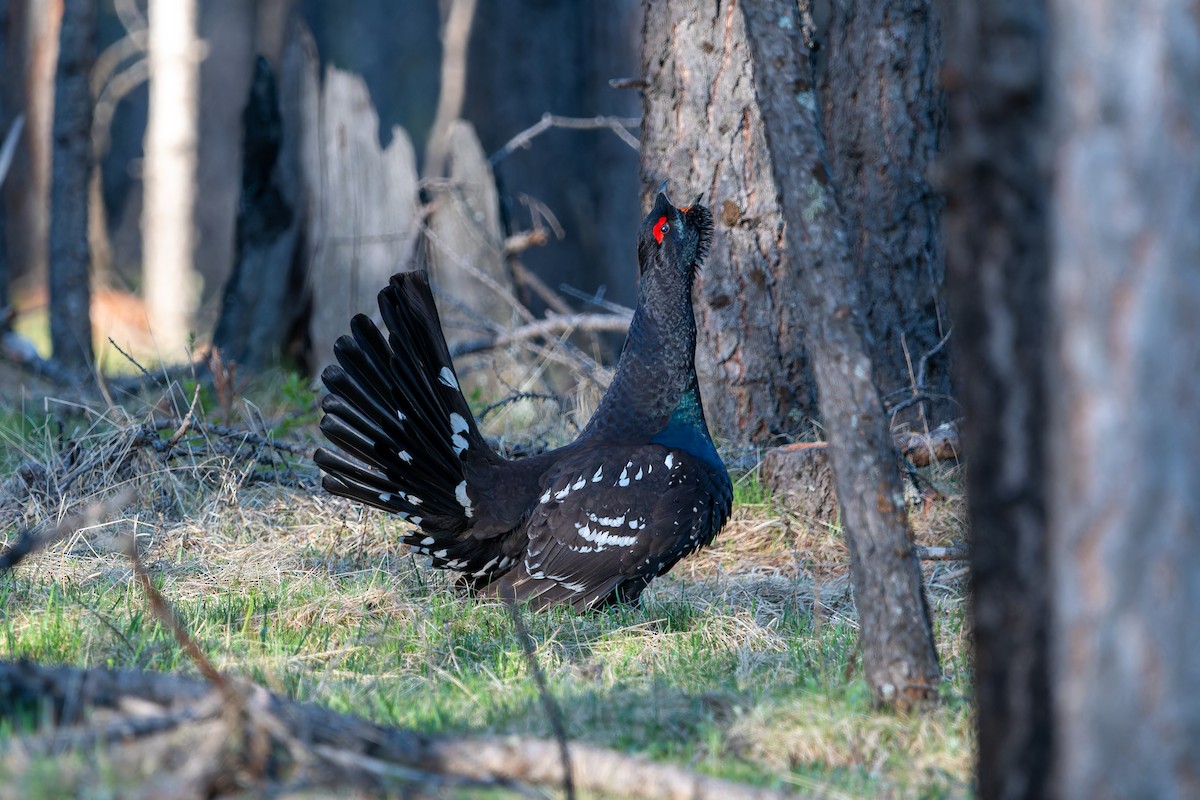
(170, 174)
(997, 182)
(884, 114)
(702, 130)
(70, 293)
(1125, 411)
(899, 657)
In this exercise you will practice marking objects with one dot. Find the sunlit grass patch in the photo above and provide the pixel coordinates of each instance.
(743, 662)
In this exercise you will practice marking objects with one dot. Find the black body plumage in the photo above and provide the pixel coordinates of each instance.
(584, 525)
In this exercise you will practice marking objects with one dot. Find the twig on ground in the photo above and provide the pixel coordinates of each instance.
(226, 432)
(516, 397)
(31, 540)
(553, 712)
(167, 617)
(618, 125)
(956, 553)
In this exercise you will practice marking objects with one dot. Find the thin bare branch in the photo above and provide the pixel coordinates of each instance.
(551, 326)
(166, 615)
(10, 145)
(31, 540)
(456, 34)
(618, 125)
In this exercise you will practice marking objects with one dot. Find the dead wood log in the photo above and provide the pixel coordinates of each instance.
(940, 444)
(364, 216)
(134, 715)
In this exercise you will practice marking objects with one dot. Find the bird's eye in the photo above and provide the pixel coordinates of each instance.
(660, 229)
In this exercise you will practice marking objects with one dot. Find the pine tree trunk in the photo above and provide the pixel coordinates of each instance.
(70, 293)
(998, 261)
(702, 130)
(1125, 411)
(884, 114)
(170, 175)
(899, 658)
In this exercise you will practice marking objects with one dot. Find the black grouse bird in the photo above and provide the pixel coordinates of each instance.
(587, 524)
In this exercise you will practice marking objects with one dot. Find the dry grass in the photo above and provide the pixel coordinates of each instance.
(740, 663)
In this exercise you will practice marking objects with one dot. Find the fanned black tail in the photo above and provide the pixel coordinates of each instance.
(395, 407)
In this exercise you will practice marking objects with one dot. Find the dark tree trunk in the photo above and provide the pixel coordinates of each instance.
(1125, 409)
(899, 658)
(530, 57)
(263, 298)
(884, 114)
(228, 28)
(998, 265)
(703, 131)
(5, 122)
(70, 293)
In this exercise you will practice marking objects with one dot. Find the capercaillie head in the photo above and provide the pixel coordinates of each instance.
(674, 238)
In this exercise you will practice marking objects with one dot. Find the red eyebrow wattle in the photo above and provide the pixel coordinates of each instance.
(658, 229)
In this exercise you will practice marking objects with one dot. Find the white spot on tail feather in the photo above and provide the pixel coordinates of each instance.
(546, 497)
(446, 376)
(428, 540)
(459, 444)
(599, 473)
(669, 460)
(457, 423)
(405, 456)
(460, 494)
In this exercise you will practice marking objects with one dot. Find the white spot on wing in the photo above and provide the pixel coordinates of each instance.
(545, 498)
(446, 376)
(599, 472)
(669, 460)
(460, 494)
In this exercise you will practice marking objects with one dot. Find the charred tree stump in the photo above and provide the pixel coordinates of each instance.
(264, 296)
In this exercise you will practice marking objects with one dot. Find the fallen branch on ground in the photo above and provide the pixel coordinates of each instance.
(146, 718)
(955, 553)
(31, 540)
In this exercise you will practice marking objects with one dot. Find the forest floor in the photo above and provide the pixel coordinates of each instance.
(742, 663)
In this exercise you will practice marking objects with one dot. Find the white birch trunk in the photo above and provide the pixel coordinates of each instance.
(170, 174)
